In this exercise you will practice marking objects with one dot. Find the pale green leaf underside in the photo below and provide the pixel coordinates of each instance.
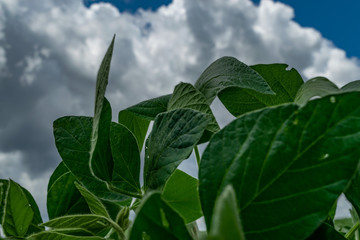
(95, 205)
(158, 221)
(181, 193)
(18, 213)
(149, 109)
(229, 72)
(279, 158)
(226, 224)
(61, 235)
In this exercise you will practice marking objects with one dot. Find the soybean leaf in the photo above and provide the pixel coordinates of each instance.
(181, 193)
(315, 87)
(18, 213)
(34, 226)
(100, 154)
(187, 96)
(285, 83)
(353, 193)
(298, 155)
(95, 204)
(72, 139)
(174, 135)
(92, 223)
(61, 235)
(149, 109)
(351, 86)
(63, 198)
(101, 163)
(136, 124)
(226, 224)
(326, 232)
(157, 220)
(229, 72)
(126, 157)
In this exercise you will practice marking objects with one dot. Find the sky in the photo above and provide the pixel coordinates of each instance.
(50, 52)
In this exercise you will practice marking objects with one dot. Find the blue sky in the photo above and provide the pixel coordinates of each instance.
(336, 21)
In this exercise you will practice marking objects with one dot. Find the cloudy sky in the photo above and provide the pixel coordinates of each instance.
(50, 52)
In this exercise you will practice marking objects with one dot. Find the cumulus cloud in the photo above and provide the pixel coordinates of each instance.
(50, 52)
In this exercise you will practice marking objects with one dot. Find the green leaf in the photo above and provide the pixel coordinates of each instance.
(95, 205)
(229, 72)
(100, 154)
(101, 163)
(326, 232)
(173, 136)
(353, 192)
(18, 213)
(351, 86)
(136, 124)
(157, 220)
(187, 96)
(285, 83)
(181, 193)
(315, 87)
(126, 157)
(89, 222)
(63, 198)
(280, 158)
(226, 224)
(60, 235)
(72, 139)
(149, 109)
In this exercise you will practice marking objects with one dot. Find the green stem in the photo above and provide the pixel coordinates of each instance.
(197, 155)
(118, 229)
(124, 192)
(351, 232)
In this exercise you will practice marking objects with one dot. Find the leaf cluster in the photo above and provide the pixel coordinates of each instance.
(275, 172)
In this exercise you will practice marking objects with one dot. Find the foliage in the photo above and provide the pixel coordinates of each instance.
(275, 172)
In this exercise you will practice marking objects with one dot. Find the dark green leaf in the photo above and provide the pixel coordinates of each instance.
(95, 205)
(100, 154)
(149, 109)
(72, 138)
(136, 124)
(229, 72)
(126, 157)
(326, 232)
(172, 139)
(187, 96)
(18, 213)
(280, 158)
(353, 192)
(315, 87)
(226, 224)
(285, 83)
(101, 163)
(63, 197)
(157, 220)
(181, 193)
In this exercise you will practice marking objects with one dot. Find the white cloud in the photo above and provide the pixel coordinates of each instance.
(51, 51)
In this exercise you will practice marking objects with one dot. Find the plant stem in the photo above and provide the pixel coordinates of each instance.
(351, 232)
(124, 192)
(197, 155)
(118, 229)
